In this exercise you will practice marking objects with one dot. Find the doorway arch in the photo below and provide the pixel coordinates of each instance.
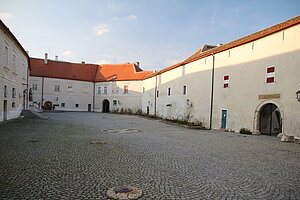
(105, 106)
(48, 105)
(269, 119)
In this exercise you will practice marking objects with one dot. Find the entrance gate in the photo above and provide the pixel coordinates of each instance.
(105, 106)
(270, 120)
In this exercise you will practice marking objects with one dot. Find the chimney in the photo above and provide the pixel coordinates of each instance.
(56, 58)
(46, 59)
(82, 62)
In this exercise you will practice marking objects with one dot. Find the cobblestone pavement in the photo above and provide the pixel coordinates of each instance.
(54, 159)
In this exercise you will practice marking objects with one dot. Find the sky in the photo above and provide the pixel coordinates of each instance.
(156, 33)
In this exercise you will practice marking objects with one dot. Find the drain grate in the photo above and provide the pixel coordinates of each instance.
(121, 131)
(98, 142)
(33, 141)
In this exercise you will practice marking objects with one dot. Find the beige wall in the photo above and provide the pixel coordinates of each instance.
(246, 65)
(12, 77)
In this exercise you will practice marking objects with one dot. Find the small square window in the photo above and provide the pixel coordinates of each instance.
(115, 102)
(85, 89)
(77, 105)
(63, 105)
(225, 85)
(34, 86)
(56, 88)
(270, 80)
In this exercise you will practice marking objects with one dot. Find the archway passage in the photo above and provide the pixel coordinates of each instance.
(48, 105)
(270, 120)
(105, 106)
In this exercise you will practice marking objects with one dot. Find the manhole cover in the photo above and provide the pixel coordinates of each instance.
(124, 193)
(121, 130)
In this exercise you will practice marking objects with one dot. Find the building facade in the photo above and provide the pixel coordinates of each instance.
(85, 87)
(14, 67)
(248, 83)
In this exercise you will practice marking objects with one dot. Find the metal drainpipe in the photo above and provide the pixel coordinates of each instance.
(94, 98)
(155, 91)
(212, 92)
(42, 101)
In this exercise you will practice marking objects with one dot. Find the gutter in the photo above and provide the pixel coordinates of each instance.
(42, 100)
(155, 92)
(212, 91)
(94, 97)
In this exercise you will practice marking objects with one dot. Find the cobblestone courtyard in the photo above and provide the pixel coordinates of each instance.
(54, 159)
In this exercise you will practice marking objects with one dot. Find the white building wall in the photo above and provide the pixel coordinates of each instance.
(12, 77)
(70, 98)
(115, 91)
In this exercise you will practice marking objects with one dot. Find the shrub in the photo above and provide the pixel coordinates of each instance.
(245, 131)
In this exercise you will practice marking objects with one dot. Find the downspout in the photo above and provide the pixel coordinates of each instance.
(212, 92)
(42, 101)
(94, 97)
(155, 92)
(27, 91)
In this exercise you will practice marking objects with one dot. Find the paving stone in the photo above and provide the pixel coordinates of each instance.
(165, 161)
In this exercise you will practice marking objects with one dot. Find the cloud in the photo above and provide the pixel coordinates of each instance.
(68, 53)
(102, 62)
(131, 17)
(114, 18)
(5, 15)
(101, 29)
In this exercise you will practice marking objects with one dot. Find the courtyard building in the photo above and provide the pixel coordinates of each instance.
(14, 67)
(248, 83)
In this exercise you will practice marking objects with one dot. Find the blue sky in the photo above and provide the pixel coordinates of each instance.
(157, 33)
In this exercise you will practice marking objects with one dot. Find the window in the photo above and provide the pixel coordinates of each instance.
(226, 81)
(56, 88)
(76, 105)
(34, 86)
(85, 89)
(5, 58)
(14, 63)
(63, 105)
(5, 91)
(14, 93)
(125, 89)
(169, 91)
(115, 102)
(98, 90)
(270, 76)
(70, 88)
(24, 70)
(184, 90)
(105, 90)
(157, 93)
(13, 104)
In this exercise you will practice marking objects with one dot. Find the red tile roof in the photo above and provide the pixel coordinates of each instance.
(86, 72)
(201, 54)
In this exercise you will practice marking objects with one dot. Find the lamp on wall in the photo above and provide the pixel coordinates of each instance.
(298, 95)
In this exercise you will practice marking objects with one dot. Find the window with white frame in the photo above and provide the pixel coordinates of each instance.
(14, 63)
(270, 76)
(226, 81)
(34, 86)
(98, 90)
(70, 88)
(115, 102)
(85, 89)
(56, 88)
(5, 56)
(105, 90)
(63, 105)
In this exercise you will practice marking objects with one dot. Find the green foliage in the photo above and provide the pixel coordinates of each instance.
(245, 131)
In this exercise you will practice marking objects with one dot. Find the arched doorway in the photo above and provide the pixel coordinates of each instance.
(270, 122)
(105, 106)
(48, 105)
